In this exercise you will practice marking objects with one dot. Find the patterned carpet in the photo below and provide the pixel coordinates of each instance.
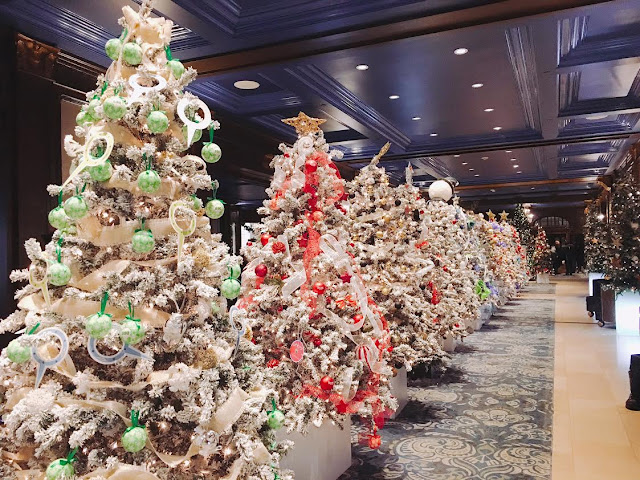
(487, 417)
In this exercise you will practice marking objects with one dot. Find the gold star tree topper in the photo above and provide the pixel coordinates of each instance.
(304, 124)
(503, 216)
(491, 215)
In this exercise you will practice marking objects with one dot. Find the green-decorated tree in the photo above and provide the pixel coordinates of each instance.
(597, 240)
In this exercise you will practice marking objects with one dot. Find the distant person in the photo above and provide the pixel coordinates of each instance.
(570, 258)
(558, 256)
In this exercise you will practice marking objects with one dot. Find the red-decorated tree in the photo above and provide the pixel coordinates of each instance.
(304, 298)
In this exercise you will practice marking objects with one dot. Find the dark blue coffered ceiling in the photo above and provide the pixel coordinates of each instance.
(560, 94)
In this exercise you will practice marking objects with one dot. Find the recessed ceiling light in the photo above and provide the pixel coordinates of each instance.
(493, 190)
(477, 175)
(394, 97)
(471, 169)
(508, 151)
(433, 134)
(416, 118)
(513, 159)
(465, 163)
(246, 85)
(488, 110)
(518, 172)
(533, 188)
(497, 128)
(362, 67)
(456, 156)
(485, 158)
(477, 85)
(460, 51)
(597, 116)
(516, 166)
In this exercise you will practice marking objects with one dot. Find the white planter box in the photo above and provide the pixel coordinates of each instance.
(449, 344)
(542, 278)
(593, 276)
(398, 385)
(323, 454)
(628, 313)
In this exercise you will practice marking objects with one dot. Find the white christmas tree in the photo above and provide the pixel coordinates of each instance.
(384, 227)
(305, 300)
(128, 366)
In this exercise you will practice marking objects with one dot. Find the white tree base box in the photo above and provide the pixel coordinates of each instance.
(628, 313)
(323, 454)
(449, 344)
(398, 385)
(486, 311)
(594, 276)
(542, 278)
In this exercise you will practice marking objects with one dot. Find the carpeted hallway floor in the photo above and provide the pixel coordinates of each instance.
(488, 417)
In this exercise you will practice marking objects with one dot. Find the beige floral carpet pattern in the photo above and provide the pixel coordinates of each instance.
(487, 417)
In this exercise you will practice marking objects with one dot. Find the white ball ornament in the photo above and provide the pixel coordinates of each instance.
(440, 190)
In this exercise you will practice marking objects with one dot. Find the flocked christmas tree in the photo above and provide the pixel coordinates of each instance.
(303, 296)
(597, 240)
(384, 227)
(526, 232)
(624, 266)
(541, 253)
(128, 364)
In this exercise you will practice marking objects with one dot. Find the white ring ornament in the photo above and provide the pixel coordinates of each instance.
(239, 331)
(182, 233)
(126, 351)
(191, 125)
(140, 90)
(58, 359)
(41, 284)
(89, 160)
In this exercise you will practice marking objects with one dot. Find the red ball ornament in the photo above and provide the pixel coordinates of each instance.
(357, 318)
(311, 165)
(375, 441)
(278, 247)
(317, 342)
(261, 270)
(264, 238)
(273, 363)
(445, 268)
(319, 288)
(249, 244)
(318, 215)
(326, 383)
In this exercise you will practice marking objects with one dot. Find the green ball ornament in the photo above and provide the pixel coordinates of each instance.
(112, 48)
(197, 135)
(176, 67)
(75, 207)
(101, 172)
(91, 109)
(59, 219)
(60, 469)
(230, 288)
(134, 439)
(132, 53)
(275, 419)
(83, 118)
(157, 122)
(17, 352)
(143, 241)
(211, 153)
(149, 181)
(235, 271)
(98, 325)
(59, 274)
(115, 107)
(214, 209)
(132, 331)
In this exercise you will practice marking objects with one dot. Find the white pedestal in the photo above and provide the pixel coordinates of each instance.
(593, 276)
(542, 278)
(323, 454)
(486, 311)
(398, 385)
(628, 313)
(449, 344)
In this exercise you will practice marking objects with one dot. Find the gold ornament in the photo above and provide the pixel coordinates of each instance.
(206, 358)
(386, 218)
(379, 234)
(304, 124)
(491, 215)
(503, 216)
(385, 290)
(201, 259)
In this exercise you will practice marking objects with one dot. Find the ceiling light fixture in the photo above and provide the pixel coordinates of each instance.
(416, 118)
(461, 51)
(488, 110)
(516, 166)
(477, 85)
(493, 190)
(394, 97)
(362, 67)
(497, 128)
(513, 159)
(433, 134)
(485, 158)
(471, 169)
(246, 85)
(456, 156)
(477, 175)
(508, 151)
(465, 163)
(518, 172)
